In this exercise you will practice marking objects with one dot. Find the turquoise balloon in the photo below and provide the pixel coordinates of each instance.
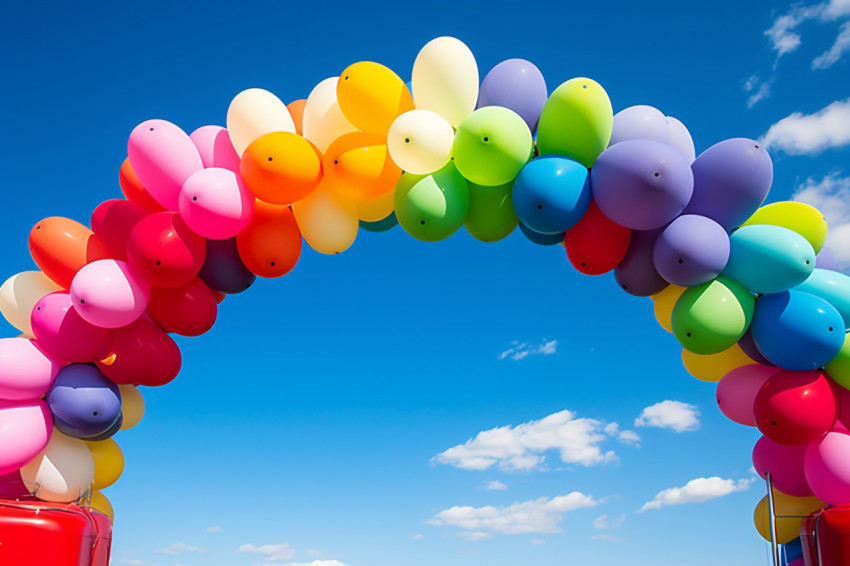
(831, 286)
(769, 259)
(432, 207)
(380, 225)
(541, 239)
(491, 214)
(491, 146)
(551, 194)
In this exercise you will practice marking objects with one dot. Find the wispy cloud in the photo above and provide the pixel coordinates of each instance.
(629, 437)
(215, 529)
(831, 195)
(418, 536)
(696, 491)
(607, 537)
(519, 351)
(273, 552)
(180, 548)
(674, 415)
(603, 522)
(810, 134)
(838, 49)
(537, 542)
(495, 485)
(316, 563)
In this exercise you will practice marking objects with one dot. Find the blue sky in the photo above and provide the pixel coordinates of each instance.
(456, 403)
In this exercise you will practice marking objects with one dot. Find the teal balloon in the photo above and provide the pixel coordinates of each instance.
(541, 239)
(380, 225)
(831, 286)
(491, 215)
(769, 259)
(432, 207)
(551, 194)
(491, 146)
(712, 317)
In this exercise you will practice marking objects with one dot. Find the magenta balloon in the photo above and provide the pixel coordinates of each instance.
(12, 486)
(518, 85)
(736, 392)
(785, 465)
(25, 429)
(827, 467)
(636, 274)
(26, 372)
(691, 251)
(63, 333)
(216, 204)
(215, 148)
(109, 294)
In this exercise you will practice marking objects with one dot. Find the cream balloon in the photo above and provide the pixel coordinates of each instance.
(445, 79)
(420, 141)
(255, 112)
(323, 121)
(132, 406)
(62, 472)
(328, 223)
(20, 293)
(375, 209)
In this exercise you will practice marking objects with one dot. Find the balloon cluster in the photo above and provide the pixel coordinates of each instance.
(749, 292)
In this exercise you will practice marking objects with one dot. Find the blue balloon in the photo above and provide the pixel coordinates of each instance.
(831, 286)
(84, 402)
(380, 225)
(223, 269)
(769, 259)
(541, 239)
(551, 194)
(796, 330)
(792, 550)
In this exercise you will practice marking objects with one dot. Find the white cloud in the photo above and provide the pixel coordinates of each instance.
(838, 49)
(802, 134)
(611, 538)
(180, 548)
(313, 552)
(495, 485)
(535, 516)
(674, 415)
(274, 552)
(782, 35)
(522, 447)
(629, 437)
(603, 522)
(696, 491)
(474, 535)
(215, 529)
(537, 542)
(519, 351)
(760, 94)
(831, 195)
(418, 536)
(315, 563)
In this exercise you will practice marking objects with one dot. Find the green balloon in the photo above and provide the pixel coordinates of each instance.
(712, 317)
(491, 146)
(839, 368)
(576, 121)
(432, 207)
(491, 215)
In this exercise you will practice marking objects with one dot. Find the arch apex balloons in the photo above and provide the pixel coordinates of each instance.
(371, 96)
(491, 146)
(445, 79)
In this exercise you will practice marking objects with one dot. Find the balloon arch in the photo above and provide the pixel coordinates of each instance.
(750, 293)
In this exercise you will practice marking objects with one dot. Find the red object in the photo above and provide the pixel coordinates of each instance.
(144, 355)
(36, 533)
(795, 407)
(112, 222)
(596, 244)
(163, 251)
(188, 310)
(826, 537)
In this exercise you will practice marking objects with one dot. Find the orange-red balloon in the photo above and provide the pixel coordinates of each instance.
(271, 243)
(134, 190)
(281, 167)
(61, 246)
(296, 110)
(358, 166)
(188, 310)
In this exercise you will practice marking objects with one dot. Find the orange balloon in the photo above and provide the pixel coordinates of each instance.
(371, 96)
(296, 110)
(281, 167)
(61, 246)
(358, 166)
(134, 190)
(271, 243)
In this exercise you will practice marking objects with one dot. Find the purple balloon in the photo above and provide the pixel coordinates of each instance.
(826, 260)
(517, 85)
(748, 345)
(691, 251)
(640, 122)
(636, 274)
(84, 402)
(641, 184)
(223, 269)
(731, 180)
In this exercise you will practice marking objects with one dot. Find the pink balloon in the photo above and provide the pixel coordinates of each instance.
(215, 148)
(827, 466)
(26, 372)
(107, 293)
(216, 204)
(736, 392)
(63, 333)
(163, 157)
(25, 429)
(785, 464)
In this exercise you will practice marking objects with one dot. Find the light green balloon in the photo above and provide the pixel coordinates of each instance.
(576, 121)
(839, 368)
(712, 317)
(491, 146)
(491, 215)
(432, 207)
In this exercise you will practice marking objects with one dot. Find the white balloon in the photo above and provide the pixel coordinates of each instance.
(328, 223)
(62, 472)
(255, 112)
(20, 293)
(323, 121)
(420, 141)
(445, 79)
(680, 138)
(640, 122)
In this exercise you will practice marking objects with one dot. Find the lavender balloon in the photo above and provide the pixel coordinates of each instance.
(641, 184)
(691, 251)
(517, 85)
(84, 402)
(223, 270)
(680, 138)
(636, 274)
(826, 260)
(748, 345)
(640, 122)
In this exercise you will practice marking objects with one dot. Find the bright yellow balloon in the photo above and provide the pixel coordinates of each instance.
(713, 367)
(132, 406)
(421, 141)
(787, 529)
(445, 79)
(255, 112)
(328, 223)
(20, 293)
(323, 121)
(371, 96)
(99, 502)
(664, 302)
(800, 217)
(108, 462)
(375, 209)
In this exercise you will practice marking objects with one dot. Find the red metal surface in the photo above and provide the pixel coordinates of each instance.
(826, 537)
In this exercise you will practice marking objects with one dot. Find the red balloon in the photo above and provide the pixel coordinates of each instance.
(188, 310)
(141, 354)
(271, 243)
(112, 222)
(134, 190)
(164, 252)
(596, 244)
(795, 407)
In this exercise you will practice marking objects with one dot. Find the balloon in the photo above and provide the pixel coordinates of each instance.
(518, 85)
(25, 428)
(795, 407)
(769, 259)
(108, 462)
(551, 194)
(84, 402)
(26, 372)
(802, 218)
(215, 148)
(108, 433)
(748, 345)
(328, 223)
(271, 243)
(19, 294)
(164, 252)
(223, 269)
(61, 332)
(323, 120)
(109, 294)
(680, 138)
(827, 467)
(445, 79)
(215, 203)
(541, 239)
(641, 184)
(789, 511)
(255, 112)
(712, 317)
(12, 486)
(596, 244)
(62, 472)
(133, 189)
(635, 273)
(784, 463)
(380, 225)
(797, 330)
(736, 392)
(420, 141)
(691, 250)
(580, 107)
(132, 406)
(112, 222)
(491, 146)
(839, 367)
(281, 167)
(189, 309)
(358, 167)
(141, 354)
(640, 123)
(100, 503)
(432, 207)
(712, 367)
(731, 180)
(296, 110)
(163, 157)
(663, 303)
(371, 96)
(831, 286)
(376, 209)
(826, 260)
(491, 215)
(61, 246)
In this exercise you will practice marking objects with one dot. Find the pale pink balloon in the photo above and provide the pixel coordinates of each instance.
(215, 148)
(63, 333)
(785, 464)
(737, 391)
(26, 372)
(163, 157)
(216, 204)
(827, 466)
(109, 294)
(25, 429)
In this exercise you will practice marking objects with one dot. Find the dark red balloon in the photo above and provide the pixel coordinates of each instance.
(163, 251)
(112, 222)
(141, 354)
(188, 310)
(795, 407)
(596, 244)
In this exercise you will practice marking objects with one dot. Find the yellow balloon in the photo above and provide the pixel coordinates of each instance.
(255, 112)
(421, 141)
(62, 472)
(371, 96)
(132, 406)
(328, 223)
(99, 502)
(20, 293)
(445, 79)
(375, 209)
(792, 509)
(323, 121)
(108, 462)
(664, 302)
(800, 217)
(712, 367)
